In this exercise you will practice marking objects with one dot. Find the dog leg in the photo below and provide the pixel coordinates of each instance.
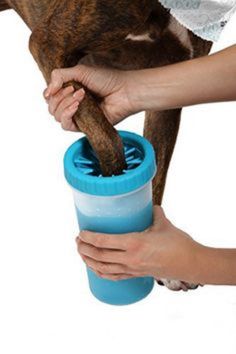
(63, 32)
(72, 29)
(4, 5)
(52, 49)
(161, 129)
(89, 118)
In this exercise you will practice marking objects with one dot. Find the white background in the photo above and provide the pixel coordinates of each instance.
(45, 303)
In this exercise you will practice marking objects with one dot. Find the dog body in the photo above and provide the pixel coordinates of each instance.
(122, 34)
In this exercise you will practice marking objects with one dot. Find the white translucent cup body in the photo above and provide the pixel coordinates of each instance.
(115, 214)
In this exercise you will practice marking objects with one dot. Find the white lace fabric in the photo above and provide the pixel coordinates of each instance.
(205, 18)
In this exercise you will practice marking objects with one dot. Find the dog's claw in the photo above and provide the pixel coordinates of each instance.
(160, 282)
(177, 285)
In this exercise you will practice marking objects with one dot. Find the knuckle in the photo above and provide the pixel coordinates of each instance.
(67, 114)
(94, 253)
(79, 248)
(63, 94)
(64, 125)
(135, 260)
(103, 268)
(64, 117)
(134, 244)
(100, 254)
(132, 240)
(98, 241)
(55, 73)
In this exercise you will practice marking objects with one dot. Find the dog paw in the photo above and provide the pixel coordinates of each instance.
(177, 285)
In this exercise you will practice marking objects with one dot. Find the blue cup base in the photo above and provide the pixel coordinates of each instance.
(122, 292)
(134, 301)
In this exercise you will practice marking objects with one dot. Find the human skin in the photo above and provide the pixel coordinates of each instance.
(162, 251)
(203, 80)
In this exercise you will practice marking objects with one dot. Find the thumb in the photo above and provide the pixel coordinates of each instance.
(61, 76)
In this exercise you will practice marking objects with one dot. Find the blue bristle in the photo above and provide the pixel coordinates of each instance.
(88, 171)
(135, 161)
(82, 160)
(130, 150)
(130, 158)
(89, 164)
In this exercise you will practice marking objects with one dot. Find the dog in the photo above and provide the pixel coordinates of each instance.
(122, 34)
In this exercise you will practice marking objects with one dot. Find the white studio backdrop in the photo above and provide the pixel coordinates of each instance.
(45, 304)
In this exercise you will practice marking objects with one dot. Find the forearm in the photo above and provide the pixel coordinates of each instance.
(203, 80)
(216, 266)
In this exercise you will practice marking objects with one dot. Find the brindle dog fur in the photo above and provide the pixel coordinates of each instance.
(121, 34)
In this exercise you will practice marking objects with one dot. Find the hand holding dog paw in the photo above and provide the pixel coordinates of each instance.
(108, 84)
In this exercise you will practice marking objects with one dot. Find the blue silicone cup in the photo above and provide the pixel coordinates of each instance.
(117, 205)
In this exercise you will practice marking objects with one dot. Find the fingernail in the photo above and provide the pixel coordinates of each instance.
(70, 88)
(79, 93)
(47, 92)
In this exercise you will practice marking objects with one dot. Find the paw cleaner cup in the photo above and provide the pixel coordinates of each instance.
(116, 205)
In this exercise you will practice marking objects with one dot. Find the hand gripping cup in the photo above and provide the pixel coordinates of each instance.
(116, 205)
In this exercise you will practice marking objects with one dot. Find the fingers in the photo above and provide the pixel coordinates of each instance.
(119, 242)
(64, 104)
(56, 99)
(114, 277)
(61, 76)
(105, 268)
(66, 118)
(67, 109)
(58, 78)
(63, 99)
(101, 255)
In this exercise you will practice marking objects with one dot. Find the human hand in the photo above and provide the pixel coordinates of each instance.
(161, 251)
(111, 85)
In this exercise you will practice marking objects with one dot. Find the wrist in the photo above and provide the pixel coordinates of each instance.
(217, 266)
(152, 89)
(191, 269)
(133, 91)
(199, 266)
